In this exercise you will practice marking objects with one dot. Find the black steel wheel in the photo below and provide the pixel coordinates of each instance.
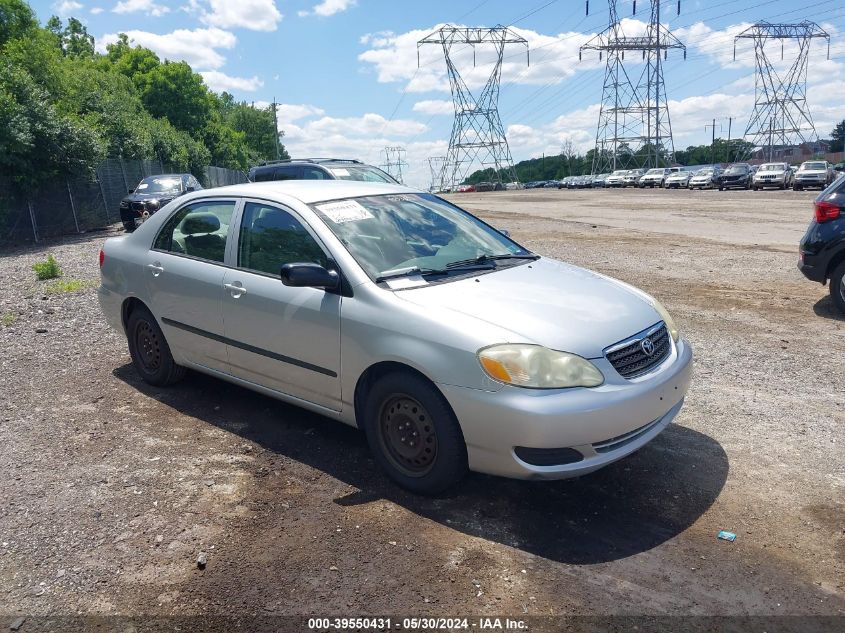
(149, 350)
(413, 433)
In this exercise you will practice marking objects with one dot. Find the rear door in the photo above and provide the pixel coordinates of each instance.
(184, 276)
(283, 338)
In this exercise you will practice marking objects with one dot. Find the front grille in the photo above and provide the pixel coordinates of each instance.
(630, 357)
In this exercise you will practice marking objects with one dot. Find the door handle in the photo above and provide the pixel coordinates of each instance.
(236, 289)
(156, 269)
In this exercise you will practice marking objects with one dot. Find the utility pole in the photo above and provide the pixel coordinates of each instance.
(730, 122)
(634, 114)
(780, 101)
(478, 136)
(713, 141)
(276, 129)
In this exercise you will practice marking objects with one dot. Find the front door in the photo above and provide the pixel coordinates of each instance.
(286, 339)
(184, 276)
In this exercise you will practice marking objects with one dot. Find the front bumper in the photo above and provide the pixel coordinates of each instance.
(603, 424)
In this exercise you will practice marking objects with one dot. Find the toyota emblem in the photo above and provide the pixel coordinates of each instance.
(647, 346)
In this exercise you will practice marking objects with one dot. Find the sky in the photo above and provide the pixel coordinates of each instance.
(350, 81)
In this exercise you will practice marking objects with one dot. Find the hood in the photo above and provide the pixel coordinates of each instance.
(546, 302)
(812, 172)
(143, 197)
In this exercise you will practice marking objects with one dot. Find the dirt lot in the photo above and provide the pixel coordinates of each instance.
(110, 488)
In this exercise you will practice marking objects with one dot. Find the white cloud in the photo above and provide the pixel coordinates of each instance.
(97, 10)
(255, 15)
(329, 7)
(434, 106)
(288, 113)
(198, 47)
(66, 7)
(553, 59)
(146, 6)
(220, 82)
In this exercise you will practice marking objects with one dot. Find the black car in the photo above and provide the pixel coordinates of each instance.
(822, 249)
(152, 194)
(737, 176)
(318, 169)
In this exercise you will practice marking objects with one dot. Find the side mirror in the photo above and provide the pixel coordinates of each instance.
(131, 190)
(309, 276)
(504, 232)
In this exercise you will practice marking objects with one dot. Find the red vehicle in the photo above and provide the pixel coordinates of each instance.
(466, 188)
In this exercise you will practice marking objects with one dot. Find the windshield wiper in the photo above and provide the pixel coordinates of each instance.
(410, 271)
(484, 259)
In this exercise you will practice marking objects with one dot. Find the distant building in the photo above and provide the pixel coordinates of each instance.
(790, 153)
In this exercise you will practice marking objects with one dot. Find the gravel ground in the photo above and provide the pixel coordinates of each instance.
(112, 489)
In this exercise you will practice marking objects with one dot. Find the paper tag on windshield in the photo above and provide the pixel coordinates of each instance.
(339, 172)
(346, 211)
(143, 185)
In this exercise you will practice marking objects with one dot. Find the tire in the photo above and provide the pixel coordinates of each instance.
(129, 228)
(721, 188)
(403, 403)
(797, 188)
(149, 350)
(837, 287)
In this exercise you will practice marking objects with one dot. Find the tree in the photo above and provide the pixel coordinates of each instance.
(838, 138)
(16, 20)
(172, 90)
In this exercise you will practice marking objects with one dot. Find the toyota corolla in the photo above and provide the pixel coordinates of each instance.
(450, 345)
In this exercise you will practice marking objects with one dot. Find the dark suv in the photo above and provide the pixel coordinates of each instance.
(318, 169)
(152, 194)
(822, 249)
(737, 176)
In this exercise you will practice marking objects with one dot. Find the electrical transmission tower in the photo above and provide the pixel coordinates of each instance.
(394, 162)
(478, 136)
(781, 117)
(634, 129)
(436, 165)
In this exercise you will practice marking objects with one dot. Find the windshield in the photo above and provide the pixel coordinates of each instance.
(160, 184)
(393, 232)
(737, 169)
(815, 165)
(772, 168)
(654, 172)
(704, 172)
(364, 173)
(619, 172)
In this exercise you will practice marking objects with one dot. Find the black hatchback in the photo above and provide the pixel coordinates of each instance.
(737, 176)
(822, 249)
(318, 169)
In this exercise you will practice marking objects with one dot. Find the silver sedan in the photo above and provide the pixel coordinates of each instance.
(450, 345)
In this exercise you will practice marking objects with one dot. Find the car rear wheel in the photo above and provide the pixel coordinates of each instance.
(149, 350)
(413, 434)
(837, 287)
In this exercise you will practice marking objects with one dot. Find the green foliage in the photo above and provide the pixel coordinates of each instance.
(64, 107)
(8, 319)
(48, 269)
(838, 138)
(16, 20)
(68, 286)
(722, 151)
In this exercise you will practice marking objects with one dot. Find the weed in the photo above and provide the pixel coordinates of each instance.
(48, 269)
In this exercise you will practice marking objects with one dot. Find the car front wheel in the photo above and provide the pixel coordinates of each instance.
(413, 434)
(837, 287)
(149, 350)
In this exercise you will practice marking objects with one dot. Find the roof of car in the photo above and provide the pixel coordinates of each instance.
(310, 191)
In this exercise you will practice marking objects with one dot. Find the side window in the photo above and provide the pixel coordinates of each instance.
(314, 173)
(286, 173)
(264, 174)
(198, 230)
(271, 237)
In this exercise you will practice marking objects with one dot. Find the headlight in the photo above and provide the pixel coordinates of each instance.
(667, 318)
(534, 366)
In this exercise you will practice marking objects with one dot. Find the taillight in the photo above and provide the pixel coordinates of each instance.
(826, 211)
(102, 257)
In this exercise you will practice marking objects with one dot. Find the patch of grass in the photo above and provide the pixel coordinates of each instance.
(48, 269)
(8, 319)
(68, 286)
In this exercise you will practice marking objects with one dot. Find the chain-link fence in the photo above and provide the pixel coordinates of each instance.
(72, 205)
